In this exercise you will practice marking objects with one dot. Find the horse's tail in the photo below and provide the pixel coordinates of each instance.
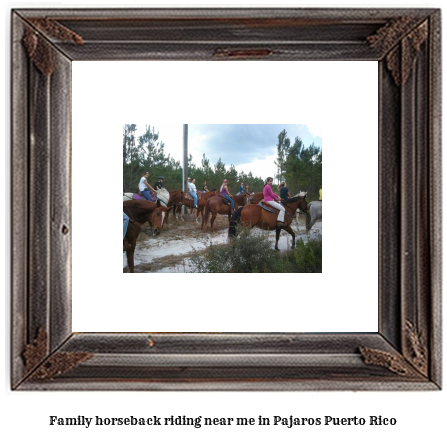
(235, 218)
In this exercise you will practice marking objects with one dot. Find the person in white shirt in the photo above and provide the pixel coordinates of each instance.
(193, 191)
(145, 187)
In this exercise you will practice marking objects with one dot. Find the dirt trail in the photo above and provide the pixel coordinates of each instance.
(171, 251)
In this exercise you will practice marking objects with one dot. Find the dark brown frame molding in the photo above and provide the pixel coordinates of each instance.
(405, 354)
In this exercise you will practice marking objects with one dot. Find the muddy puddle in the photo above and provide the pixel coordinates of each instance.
(171, 251)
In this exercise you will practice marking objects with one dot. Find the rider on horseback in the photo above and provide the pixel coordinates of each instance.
(144, 186)
(271, 199)
(284, 193)
(159, 184)
(193, 191)
(226, 194)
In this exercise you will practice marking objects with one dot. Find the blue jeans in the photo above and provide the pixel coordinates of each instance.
(230, 201)
(125, 224)
(147, 194)
(193, 194)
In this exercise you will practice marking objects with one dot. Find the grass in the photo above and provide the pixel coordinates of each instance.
(253, 253)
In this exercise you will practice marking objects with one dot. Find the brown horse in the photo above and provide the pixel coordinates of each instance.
(255, 216)
(175, 202)
(140, 212)
(200, 203)
(255, 198)
(215, 206)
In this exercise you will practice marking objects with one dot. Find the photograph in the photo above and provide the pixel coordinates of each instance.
(197, 215)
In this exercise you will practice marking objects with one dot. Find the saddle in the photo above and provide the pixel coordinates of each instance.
(188, 196)
(224, 200)
(138, 197)
(268, 207)
(271, 209)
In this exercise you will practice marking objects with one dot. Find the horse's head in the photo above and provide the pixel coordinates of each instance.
(298, 202)
(157, 219)
(302, 205)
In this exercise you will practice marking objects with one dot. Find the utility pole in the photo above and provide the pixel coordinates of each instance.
(185, 160)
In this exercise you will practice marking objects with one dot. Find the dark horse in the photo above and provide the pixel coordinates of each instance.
(215, 206)
(140, 212)
(255, 216)
(175, 202)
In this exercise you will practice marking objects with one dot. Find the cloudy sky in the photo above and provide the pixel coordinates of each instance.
(251, 148)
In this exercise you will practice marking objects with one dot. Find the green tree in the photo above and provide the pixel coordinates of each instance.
(282, 147)
(303, 168)
(130, 154)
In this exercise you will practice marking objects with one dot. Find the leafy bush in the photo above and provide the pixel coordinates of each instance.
(253, 253)
(305, 258)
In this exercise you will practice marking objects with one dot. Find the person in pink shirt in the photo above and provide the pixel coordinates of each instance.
(271, 199)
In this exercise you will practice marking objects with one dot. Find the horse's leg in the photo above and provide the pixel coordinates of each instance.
(307, 223)
(213, 218)
(311, 224)
(165, 222)
(199, 209)
(130, 259)
(290, 231)
(278, 231)
(132, 239)
(179, 211)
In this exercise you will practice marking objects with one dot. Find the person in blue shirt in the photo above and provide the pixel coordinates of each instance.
(284, 193)
(125, 225)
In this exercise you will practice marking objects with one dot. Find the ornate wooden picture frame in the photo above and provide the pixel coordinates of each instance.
(405, 353)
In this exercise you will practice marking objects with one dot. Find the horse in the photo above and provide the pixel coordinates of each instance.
(140, 212)
(255, 198)
(175, 202)
(314, 213)
(256, 216)
(201, 203)
(215, 206)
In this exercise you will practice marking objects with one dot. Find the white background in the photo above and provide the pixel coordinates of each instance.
(417, 414)
(344, 102)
